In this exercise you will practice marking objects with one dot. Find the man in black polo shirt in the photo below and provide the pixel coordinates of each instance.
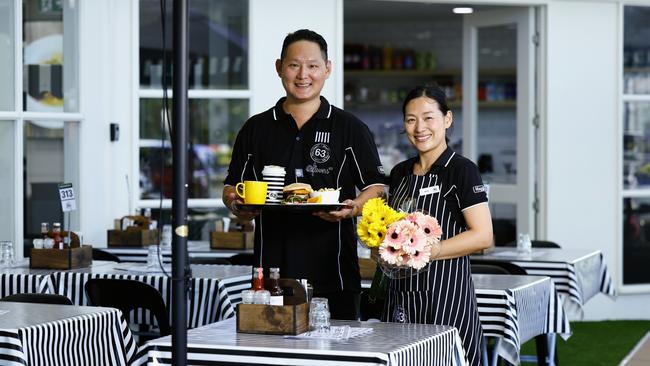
(318, 144)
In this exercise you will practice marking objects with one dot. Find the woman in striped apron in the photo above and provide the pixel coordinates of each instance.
(447, 186)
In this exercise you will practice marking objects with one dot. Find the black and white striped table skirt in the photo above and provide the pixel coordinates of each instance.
(209, 298)
(515, 316)
(101, 338)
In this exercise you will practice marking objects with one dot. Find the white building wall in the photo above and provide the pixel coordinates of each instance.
(105, 96)
(270, 22)
(583, 147)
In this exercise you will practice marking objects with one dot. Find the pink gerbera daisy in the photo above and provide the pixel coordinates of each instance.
(430, 227)
(395, 233)
(420, 258)
(415, 241)
(390, 252)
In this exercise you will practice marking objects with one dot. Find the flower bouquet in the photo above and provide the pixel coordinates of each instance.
(406, 242)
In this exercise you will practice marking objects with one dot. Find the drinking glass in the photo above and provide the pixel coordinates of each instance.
(154, 256)
(319, 315)
(166, 240)
(6, 254)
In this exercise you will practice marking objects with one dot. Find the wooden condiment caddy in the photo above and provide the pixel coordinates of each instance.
(290, 318)
(239, 236)
(76, 256)
(136, 235)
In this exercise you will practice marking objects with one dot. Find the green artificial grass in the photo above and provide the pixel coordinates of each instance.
(603, 343)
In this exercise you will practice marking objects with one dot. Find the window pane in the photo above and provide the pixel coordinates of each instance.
(218, 44)
(636, 51)
(497, 112)
(213, 126)
(7, 59)
(50, 38)
(636, 240)
(636, 145)
(7, 163)
(50, 151)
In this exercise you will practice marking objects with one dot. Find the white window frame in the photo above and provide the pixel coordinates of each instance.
(136, 201)
(18, 117)
(624, 193)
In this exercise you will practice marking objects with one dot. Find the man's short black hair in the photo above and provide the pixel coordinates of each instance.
(304, 35)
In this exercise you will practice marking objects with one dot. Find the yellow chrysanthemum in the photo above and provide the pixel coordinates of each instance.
(371, 207)
(377, 233)
(363, 231)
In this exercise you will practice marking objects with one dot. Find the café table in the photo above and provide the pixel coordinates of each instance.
(578, 274)
(515, 309)
(44, 334)
(196, 249)
(388, 344)
(209, 297)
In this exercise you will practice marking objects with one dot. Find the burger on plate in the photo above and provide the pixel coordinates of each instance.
(296, 192)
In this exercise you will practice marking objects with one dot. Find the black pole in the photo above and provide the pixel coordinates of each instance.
(179, 198)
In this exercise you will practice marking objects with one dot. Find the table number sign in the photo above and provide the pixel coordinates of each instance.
(66, 193)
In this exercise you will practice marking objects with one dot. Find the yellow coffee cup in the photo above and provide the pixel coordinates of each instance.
(253, 192)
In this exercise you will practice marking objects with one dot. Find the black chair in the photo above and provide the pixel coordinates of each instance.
(495, 267)
(537, 244)
(102, 255)
(245, 259)
(208, 260)
(487, 269)
(38, 299)
(129, 295)
(544, 244)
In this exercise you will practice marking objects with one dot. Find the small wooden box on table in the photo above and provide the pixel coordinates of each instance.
(137, 233)
(74, 257)
(290, 318)
(239, 237)
(273, 319)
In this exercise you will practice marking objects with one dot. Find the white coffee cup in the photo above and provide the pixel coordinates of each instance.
(273, 175)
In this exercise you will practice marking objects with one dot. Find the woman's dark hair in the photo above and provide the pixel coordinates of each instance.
(304, 35)
(434, 92)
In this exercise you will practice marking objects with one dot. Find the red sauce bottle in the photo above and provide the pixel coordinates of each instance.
(258, 279)
(56, 235)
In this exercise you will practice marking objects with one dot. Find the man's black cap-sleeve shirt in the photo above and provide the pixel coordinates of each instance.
(333, 149)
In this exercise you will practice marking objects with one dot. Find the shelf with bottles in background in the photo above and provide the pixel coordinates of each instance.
(382, 76)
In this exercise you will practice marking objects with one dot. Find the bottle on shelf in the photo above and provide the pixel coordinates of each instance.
(258, 279)
(277, 296)
(56, 235)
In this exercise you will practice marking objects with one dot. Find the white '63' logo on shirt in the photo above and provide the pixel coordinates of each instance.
(320, 153)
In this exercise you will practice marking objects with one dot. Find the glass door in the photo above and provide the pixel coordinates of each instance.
(499, 113)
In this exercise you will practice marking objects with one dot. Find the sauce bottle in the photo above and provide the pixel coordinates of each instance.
(277, 296)
(56, 235)
(258, 279)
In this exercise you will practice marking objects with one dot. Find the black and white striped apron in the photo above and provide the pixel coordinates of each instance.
(443, 293)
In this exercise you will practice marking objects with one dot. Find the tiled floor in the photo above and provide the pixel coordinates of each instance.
(640, 355)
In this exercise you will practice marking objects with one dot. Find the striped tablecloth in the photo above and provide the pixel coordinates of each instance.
(39, 334)
(578, 274)
(388, 344)
(209, 296)
(21, 279)
(196, 249)
(517, 308)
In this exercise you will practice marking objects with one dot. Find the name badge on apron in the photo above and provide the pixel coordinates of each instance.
(429, 190)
